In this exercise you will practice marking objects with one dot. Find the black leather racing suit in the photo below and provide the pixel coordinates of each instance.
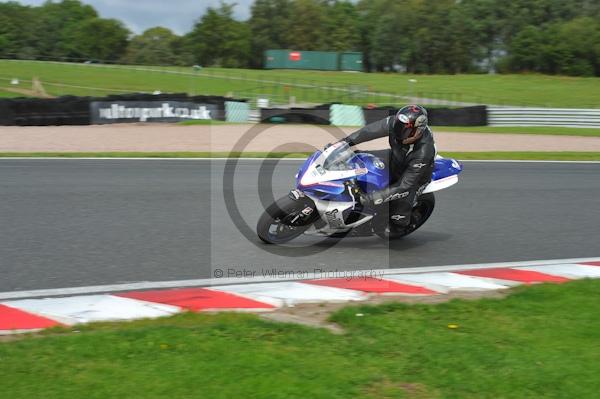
(410, 166)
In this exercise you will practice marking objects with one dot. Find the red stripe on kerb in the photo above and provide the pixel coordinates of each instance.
(523, 276)
(369, 284)
(590, 263)
(197, 299)
(15, 319)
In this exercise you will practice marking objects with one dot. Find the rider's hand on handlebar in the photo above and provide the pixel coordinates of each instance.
(359, 195)
(364, 198)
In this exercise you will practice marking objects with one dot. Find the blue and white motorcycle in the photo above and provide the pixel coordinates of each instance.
(325, 201)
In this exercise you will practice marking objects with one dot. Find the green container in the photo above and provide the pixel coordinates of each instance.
(351, 62)
(276, 59)
(292, 59)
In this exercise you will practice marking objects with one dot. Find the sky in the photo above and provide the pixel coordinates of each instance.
(177, 15)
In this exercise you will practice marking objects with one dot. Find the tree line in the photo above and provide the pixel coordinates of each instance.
(418, 36)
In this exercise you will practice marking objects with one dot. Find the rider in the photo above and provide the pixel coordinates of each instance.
(410, 159)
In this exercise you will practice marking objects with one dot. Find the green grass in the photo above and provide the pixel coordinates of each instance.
(154, 154)
(9, 94)
(541, 341)
(525, 156)
(539, 90)
(552, 131)
(499, 155)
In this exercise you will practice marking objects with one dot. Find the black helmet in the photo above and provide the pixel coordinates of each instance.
(409, 123)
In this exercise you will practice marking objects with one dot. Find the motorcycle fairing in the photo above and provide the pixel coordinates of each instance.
(330, 186)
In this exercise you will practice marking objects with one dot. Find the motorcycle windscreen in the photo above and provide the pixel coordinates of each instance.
(343, 159)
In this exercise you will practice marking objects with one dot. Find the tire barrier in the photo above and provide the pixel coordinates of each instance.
(6, 113)
(467, 116)
(105, 112)
(313, 116)
(68, 110)
(376, 114)
(134, 107)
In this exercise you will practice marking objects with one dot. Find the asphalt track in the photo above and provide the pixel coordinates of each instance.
(67, 223)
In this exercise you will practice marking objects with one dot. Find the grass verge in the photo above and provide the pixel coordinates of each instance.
(498, 155)
(550, 131)
(203, 122)
(540, 341)
(524, 156)
(154, 154)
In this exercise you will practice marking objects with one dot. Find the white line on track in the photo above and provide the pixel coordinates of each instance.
(146, 285)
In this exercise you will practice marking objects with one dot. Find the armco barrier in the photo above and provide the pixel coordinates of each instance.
(571, 117)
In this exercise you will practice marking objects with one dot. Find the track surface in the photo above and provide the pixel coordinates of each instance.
(86, 222)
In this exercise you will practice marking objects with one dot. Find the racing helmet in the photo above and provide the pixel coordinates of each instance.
(409, 123)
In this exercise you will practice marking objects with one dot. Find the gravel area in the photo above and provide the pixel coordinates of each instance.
(224, 138)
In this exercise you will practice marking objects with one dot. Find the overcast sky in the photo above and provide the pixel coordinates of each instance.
(177, 15)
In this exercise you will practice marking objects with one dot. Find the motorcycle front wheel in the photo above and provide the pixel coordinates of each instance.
(284, 220)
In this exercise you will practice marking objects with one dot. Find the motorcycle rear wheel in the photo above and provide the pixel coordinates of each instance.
(420, 213)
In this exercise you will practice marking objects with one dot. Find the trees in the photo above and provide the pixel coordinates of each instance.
(68, 29)
(98, 39)
(303, 25)
(55, 26)
(17, 30)
(269, 23)
(577, 43)
(156, 46)
(306, 26)
(421, 36)
(568, 48)
(218, 39)
(341, 27)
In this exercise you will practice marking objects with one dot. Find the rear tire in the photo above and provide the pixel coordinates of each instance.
(419, 215)
(283, 220)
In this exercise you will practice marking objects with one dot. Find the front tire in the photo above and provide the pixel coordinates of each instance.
(284, 220)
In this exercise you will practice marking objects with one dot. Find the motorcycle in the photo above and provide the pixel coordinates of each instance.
(325, 203)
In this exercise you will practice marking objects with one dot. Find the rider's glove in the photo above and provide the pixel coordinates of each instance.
(365, 199)
(330, 144)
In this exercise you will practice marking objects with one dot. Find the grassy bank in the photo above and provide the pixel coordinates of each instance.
(541, 341)
(306, 86)
(500, 155)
